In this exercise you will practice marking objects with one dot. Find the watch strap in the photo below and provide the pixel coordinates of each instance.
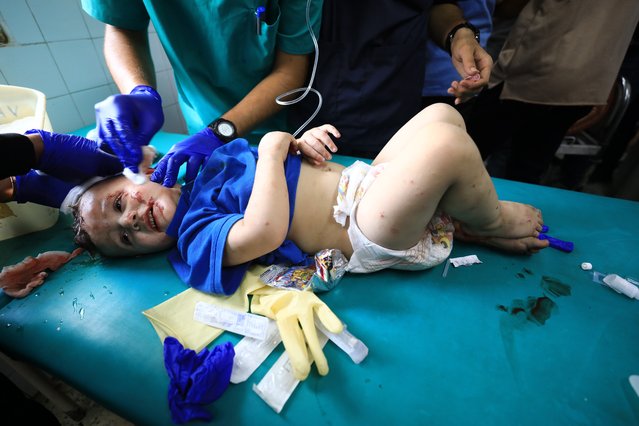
(451, 34)
(213, 125)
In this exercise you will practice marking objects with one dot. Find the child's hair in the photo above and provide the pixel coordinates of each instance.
(80, 236)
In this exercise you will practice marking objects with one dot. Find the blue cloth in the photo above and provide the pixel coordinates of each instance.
(196, 379)
(214, 49)
(440, 71)
(207, 211)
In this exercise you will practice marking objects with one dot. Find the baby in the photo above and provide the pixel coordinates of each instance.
(268, 205)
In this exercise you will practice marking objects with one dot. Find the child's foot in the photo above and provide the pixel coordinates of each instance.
(515, 220)
(524, 245)
(521, 245)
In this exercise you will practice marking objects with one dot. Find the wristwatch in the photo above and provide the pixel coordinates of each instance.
(223, 129)
(451, 34)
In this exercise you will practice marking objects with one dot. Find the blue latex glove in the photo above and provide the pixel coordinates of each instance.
(127, 122)
(194, 151)
(40, 188)
(74, 158)
(196, 379)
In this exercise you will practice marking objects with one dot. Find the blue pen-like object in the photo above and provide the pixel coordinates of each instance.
(259, 17)
(558, 244)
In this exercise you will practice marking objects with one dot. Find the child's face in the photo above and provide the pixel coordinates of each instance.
(125, 219)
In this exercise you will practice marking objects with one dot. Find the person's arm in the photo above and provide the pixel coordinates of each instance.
(66, 160)
(265, 223)
(19, 153)
(6, 190)
(128, 121)
(128, 56)
(472, 62)
(28, 156)
(289, 72)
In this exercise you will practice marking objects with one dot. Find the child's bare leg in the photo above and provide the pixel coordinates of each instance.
(443, 113)
(440, 167)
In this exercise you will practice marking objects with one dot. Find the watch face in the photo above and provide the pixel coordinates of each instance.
(225, 129)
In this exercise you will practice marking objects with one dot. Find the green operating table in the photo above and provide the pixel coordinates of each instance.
(514, 340)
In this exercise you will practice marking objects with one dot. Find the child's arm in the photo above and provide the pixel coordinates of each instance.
(265, 223)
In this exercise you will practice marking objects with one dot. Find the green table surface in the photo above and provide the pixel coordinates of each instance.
(452, 350)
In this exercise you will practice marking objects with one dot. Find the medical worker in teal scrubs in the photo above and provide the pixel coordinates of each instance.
(231, 59)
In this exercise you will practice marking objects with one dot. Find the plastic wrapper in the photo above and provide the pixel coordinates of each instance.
(330, 267)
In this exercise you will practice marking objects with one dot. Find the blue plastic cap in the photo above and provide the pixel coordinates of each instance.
(558, 244)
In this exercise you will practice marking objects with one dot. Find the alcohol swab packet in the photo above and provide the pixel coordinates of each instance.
(278, 384)
(460, 261)
(354, 348)
(243, 323)
(250, 353)
(464, 260)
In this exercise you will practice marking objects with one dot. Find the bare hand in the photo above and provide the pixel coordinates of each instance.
(316, 144)
(474, 65)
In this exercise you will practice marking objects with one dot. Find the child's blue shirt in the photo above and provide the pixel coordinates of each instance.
(208, 209)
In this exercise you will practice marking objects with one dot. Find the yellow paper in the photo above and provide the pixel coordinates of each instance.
(174, 317)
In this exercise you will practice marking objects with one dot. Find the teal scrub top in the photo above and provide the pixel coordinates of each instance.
(214, 47)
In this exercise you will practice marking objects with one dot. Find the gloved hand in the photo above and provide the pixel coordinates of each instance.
(292, 309)
(127, 122)
(74, 158)
(196, 379)
(194, 151)
(41, 189)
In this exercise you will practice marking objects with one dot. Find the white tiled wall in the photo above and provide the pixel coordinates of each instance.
(55, 47)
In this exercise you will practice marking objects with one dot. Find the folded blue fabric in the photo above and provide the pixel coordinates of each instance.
(196, 379)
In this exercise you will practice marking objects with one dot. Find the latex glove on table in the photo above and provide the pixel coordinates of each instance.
(294, 312)
(194, 151)
(196, 379)
(128, 122)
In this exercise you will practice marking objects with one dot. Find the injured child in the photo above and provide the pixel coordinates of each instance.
(268, 205)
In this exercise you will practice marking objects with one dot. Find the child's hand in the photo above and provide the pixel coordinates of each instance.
(277, 145)
(316, 144)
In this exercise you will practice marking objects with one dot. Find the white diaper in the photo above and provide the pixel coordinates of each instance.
(434, 247)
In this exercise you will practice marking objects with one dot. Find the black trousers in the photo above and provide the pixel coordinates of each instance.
(524, 136)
